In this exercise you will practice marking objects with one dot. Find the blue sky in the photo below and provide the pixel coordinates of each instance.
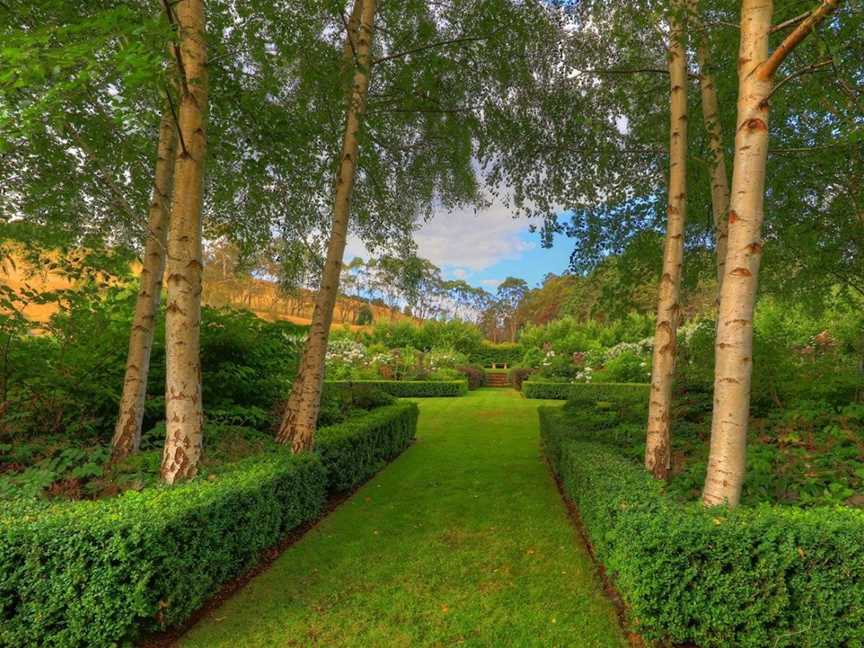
(532, 262)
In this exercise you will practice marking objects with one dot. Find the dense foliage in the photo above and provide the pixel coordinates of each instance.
(58, 383)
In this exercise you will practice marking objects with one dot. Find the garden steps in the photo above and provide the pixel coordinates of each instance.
(497, 380)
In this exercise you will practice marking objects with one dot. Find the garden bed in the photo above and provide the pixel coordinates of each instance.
(755, 576)
(100, 572)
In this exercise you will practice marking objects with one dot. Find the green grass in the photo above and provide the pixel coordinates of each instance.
(462, 540)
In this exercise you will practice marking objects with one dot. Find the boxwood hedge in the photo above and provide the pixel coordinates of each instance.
(355, 450)
(586, 392)
(765, 576)
(99, 573)
(546, 390)
(407, 388)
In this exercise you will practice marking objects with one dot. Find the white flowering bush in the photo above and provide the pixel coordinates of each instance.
(445, 359)
(345, 358)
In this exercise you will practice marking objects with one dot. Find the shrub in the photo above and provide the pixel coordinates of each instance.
(759, 576)
(355, 450)
(546, 389)
(408, 388)
(627, 367)
(475, 376)
(94, 573)
(581, 393)
(519, 375)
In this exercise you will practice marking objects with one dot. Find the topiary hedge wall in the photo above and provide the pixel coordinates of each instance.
(355, 450)
(752, 577)
(586, 392)
(489, 353)
(408, 388)
(98, 573)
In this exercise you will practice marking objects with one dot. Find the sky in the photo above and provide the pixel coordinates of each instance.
(484, 247)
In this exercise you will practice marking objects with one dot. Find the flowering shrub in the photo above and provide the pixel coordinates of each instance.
(344, 357)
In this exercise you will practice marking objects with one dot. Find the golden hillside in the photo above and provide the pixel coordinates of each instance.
(260, 296)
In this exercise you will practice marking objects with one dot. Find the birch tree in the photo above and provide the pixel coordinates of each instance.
(183, 406)
(298, 424)
(657, 443)
(127, 432)
(711, 119)
(734, 344)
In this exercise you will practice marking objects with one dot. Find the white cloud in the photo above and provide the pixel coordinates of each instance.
(492, 283)
(464, 241)
(472, 241)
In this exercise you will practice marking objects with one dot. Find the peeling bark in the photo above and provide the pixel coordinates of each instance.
(127, 431)
(298, 424)
(657, 442)
(734, 345)
(183, 408)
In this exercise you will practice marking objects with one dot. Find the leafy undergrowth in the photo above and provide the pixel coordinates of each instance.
(809, 454)
(462, 540)
(75, 467)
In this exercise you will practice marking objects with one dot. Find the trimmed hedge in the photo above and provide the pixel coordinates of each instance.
(546, 390)
(753, 577)
(98, 573)
(577, 393)
(408, 388)
(519, 375)
(92, 573)
(355, 450)
(590, 393)
(489, 353)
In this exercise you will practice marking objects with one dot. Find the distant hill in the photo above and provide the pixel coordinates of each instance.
(264, 298)
(260, 296)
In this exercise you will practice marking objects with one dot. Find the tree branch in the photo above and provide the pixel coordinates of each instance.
(453, 41)
(767, 69)
(786, 24)
(813, 67)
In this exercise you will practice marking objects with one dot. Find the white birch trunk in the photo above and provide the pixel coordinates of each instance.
(183, 407)
(298, 424)
(734, 346)
(127, 431)
(657, 442)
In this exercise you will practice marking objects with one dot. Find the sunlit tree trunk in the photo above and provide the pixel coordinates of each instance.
(183, 407)
(298, 424)
(657, 448)
(127, 431)
(734, 345)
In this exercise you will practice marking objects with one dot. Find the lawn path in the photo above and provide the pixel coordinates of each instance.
(463, 540)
